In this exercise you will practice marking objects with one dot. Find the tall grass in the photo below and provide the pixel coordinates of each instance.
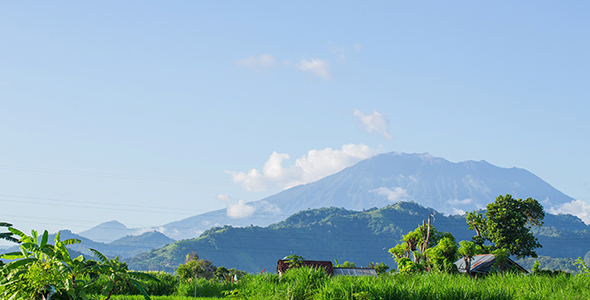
(307, 283)
(204, 288)
(137, 297)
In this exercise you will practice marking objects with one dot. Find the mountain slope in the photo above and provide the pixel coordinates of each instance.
(385, 179)
(328, 233)
(134, 244)
(107, 232)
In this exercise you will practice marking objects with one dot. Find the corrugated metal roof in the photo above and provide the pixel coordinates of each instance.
(355, 272)
(483, 263)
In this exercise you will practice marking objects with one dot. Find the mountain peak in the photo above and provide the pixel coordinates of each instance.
(384, 179)
(107, 231)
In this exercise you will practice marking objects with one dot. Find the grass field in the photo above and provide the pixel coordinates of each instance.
(313, 284)
(137, 297)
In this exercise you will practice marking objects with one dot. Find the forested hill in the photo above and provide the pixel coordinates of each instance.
(327, 233)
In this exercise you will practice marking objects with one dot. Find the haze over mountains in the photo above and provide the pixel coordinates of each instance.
(447, 187)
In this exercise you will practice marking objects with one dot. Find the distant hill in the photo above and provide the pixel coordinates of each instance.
(124, 247)
(134, 244)
(450, 188)
(108, 232)
(328, 233)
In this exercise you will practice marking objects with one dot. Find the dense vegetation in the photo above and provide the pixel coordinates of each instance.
(425, 262)
(359, 236)
(306, 283)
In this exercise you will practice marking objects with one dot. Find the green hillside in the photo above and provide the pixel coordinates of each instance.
(327, 233)
(322, 234)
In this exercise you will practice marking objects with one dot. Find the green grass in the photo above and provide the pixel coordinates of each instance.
(305, 283)
(136, 297)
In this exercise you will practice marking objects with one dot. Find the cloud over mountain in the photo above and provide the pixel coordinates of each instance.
(311, 167)
(394, 195)
(577, 208)
(236, 210)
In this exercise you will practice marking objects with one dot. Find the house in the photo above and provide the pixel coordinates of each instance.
(283, 266)
(355, 272)
(484, 264)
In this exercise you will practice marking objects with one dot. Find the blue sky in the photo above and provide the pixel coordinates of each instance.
(145, 112)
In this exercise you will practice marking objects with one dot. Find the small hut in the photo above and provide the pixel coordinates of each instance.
(283, 266)
(484, 263)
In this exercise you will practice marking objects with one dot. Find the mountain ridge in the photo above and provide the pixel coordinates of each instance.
(328, 233)
(378, 181)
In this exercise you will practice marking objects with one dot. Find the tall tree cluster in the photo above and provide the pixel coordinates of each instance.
(503, 230)
(507, 225)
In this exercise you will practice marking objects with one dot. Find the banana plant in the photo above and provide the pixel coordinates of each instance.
(118, 271)
(37, 269)
(81, 273)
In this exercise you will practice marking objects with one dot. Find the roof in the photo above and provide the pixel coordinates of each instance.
(283, 266)
(355, 272)
(483, 263)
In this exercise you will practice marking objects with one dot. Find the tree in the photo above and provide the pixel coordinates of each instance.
(507, 225)
(380, 268)
(502, 255)
(294, 261)
(419, 243)
(442, 257)
(467, 250)
(416, 242)
(222, 273)
(196, 268)
(346, 264)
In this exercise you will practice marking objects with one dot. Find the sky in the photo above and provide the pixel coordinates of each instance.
(148, 112)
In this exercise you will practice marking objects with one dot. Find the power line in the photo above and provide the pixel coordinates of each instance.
(111, 175)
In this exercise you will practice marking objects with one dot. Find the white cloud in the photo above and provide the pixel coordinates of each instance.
(237, 210)
(311, 167)
(269, 207)
(577, 208)
(317, 67)
(357, 47)
(260, 63)
(460, 202)
(374, 122)
(395, 195)
(457, 211)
